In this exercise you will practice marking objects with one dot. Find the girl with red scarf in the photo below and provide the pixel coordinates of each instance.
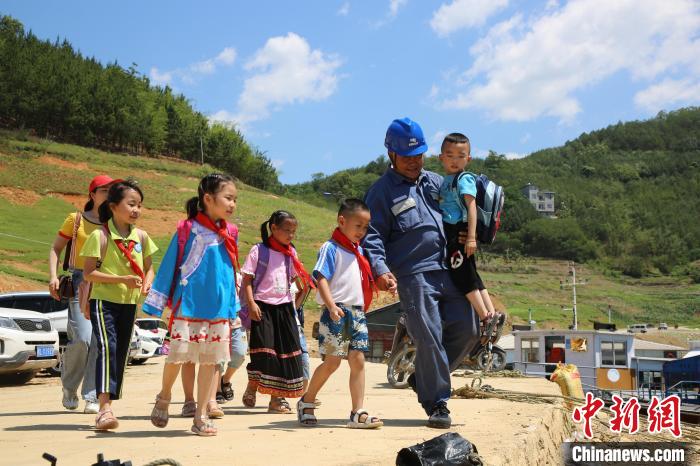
(199, 282)
(275, 366)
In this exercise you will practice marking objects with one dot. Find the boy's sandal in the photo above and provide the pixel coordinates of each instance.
(189, 408)
(305, 419)
(488, 325)
(205, 429)
(370, 422)
(106, 421)
(279, 406)
(500, 323)
(226, 390)
(214, 411)
(249, 398)
(159, 414)
(317, 402)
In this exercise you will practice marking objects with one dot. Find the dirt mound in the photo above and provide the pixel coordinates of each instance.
(77, 200)
(19, 196)
(159, 222)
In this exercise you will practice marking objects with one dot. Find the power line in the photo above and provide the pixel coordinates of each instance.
(24, 239)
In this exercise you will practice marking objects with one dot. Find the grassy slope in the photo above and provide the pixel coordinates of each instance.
(42, 178)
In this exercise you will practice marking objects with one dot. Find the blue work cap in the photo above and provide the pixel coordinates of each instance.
(405, 137)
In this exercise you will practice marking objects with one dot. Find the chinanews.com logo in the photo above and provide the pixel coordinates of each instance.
(663, 415)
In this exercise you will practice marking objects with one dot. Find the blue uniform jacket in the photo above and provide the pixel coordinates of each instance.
(206, 287)
(405, 235)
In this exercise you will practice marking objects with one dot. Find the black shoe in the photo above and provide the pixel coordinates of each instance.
(226, 390)
(220, 398)
(412, 382)
(440, 417)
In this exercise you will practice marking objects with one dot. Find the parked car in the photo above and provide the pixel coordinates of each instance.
(663, 326)
(41, 301)
(28, 343)
(637, 328)
(150, 335)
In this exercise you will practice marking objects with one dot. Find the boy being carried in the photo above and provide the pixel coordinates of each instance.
(345, 287)
(458, 206)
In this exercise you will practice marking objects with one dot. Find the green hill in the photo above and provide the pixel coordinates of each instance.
(42, 181)
(627, 196)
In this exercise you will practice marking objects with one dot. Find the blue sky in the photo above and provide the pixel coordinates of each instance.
(314, 84)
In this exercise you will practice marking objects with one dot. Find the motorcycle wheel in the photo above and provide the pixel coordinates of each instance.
(401, 364)
(498, 359)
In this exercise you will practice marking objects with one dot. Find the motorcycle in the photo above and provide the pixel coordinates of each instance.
(401, 363)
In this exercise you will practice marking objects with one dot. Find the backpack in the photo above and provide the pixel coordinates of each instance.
(184, 228)
(260, 271)
(489, 206)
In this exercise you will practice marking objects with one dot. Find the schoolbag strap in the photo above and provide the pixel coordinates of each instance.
(262, 265)
(184, 228)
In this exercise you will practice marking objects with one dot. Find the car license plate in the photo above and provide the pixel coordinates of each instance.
(44, 351)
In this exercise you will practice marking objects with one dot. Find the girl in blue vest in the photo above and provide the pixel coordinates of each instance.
(202, 290)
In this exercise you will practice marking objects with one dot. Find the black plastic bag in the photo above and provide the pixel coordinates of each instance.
(450, 449)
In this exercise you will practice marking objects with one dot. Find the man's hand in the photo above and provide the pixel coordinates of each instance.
(335, 312)
(387, 282)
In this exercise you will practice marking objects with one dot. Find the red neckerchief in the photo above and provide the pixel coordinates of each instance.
(127, 252)
(368, 285)
(288, 251)
(222, 230)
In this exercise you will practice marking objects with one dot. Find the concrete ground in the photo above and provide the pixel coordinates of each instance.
(32, 421)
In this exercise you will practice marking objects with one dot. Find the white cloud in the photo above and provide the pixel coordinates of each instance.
(286, 71)
(435, 142)
(344, 9)
(514, 155)
(160, 79)
(395, 5)
(526, 137)
(277, 163)
(461, 14)
(523, 69)
(663, 95)
(190, 73)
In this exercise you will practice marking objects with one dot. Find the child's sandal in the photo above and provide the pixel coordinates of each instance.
(249, 398)
(370, 422)
(279, 406)
(159, 414)
(226, 390)
(306, 419)
(106, 421)
(205, 429)
(214, 411)
(189, 408)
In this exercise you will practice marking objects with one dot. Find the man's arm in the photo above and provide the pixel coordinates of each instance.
(377, 234)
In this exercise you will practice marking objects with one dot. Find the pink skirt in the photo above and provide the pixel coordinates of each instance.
(199, 341)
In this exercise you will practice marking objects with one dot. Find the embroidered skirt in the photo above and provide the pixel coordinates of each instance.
(275, 353)
(199, 341)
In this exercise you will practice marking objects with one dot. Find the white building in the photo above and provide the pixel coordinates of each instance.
(542, 201)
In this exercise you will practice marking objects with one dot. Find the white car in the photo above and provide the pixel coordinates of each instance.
(150, 335)
(28, 343)
(41, 301)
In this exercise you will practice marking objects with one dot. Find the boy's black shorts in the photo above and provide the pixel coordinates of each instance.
(462, 268)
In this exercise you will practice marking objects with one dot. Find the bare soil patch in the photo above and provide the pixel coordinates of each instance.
(77, 200)
(19, 196)
(57, 162)
(12, 283)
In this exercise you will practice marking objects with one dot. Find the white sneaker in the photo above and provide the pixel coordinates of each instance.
(70, 399)
(91, 407)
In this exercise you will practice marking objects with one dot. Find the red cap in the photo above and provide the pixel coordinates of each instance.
(101, 180)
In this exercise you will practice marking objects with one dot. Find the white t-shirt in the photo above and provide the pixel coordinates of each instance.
(342, 271)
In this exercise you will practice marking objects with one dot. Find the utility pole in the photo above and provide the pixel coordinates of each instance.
(609, 313)
(572, 283)
(201, 149)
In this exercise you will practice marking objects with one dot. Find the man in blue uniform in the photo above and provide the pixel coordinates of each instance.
(407, 249)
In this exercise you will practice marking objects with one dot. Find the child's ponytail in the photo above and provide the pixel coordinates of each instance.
(192, 207)
(264, 232)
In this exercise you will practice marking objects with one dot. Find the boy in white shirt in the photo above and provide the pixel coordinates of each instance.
(345, 286)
